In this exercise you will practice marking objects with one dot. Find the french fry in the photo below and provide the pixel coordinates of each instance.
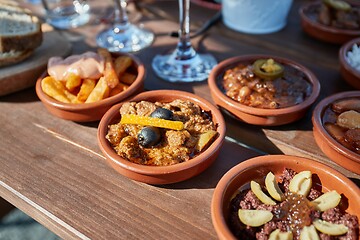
(71, 96)
(72, 81)
(109, 72)
(100, 91)
(121, 64)
(86, 88)
(127, 78)
(55, 89)
(117, 89)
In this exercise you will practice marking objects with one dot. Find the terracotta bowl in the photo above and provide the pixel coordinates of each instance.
(207, 4)
(334, 150)
(258, 167)
(349, 73)
(162, 174)
(309, 23)
(258, 116)
(87, 112)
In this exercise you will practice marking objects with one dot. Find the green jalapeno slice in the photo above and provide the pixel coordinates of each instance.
(338, 4)
(268, 69)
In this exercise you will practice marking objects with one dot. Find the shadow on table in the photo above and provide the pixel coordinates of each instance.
(23, 96)
(230, 155)
(356, 181)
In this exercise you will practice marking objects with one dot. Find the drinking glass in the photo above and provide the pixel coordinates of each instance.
(184, 64)
(34, 1)
(66, 14)
(124, 36)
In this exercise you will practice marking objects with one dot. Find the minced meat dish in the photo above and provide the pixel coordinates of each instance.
(160, 146)
(251, 85)
(291, 215)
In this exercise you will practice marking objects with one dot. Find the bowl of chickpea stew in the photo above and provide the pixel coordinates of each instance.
(263, 90)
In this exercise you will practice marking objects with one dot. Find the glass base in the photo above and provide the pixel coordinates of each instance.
(172, 69)
(34, 1)
(68, 16)
(131, 39)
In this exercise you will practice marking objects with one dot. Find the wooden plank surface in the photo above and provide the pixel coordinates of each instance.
(53, 169)
(60, 178)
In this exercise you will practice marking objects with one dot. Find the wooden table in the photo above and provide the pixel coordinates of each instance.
(53, 170)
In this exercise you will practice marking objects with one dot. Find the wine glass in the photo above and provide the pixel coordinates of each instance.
(184, 64)
(66, 14)
(123, 36)
(34, 1)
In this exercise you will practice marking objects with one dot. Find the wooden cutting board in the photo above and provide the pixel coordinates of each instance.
(24, 74)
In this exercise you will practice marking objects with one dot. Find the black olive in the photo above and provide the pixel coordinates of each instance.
(149, 136)
(162, 113)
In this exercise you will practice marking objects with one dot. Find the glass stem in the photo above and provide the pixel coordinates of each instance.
(184, 48)
(46, 7)
(121, 20)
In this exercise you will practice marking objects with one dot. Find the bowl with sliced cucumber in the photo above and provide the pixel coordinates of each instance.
(285, 197)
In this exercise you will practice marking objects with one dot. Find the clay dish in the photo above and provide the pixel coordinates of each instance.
(349, 73)
(333, 149)
(207, 4)
(257, 168)
(162, 174)
(309, 23)
(260, 116)
(87, 112)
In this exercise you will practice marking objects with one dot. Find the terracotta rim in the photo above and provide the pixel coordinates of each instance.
(324, 28)
(342, 56)
(156, 170)
(226, 64)
(219, 221)
(210, 5)
(73, 107)
(318, 124)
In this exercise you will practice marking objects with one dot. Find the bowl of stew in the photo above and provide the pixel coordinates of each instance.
(263, 90)
(162, 136)
(211, 4)
(336, 128)
(333, 21)
(269, 196)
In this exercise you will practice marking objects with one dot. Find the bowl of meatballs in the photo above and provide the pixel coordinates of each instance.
(333, 21)
(336, 128)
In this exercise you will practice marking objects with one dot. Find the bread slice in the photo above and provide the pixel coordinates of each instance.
(9, 2)
(20, 31)
(12, 57)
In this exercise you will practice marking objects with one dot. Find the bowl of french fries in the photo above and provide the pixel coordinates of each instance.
(83, 87)
(190, 133)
